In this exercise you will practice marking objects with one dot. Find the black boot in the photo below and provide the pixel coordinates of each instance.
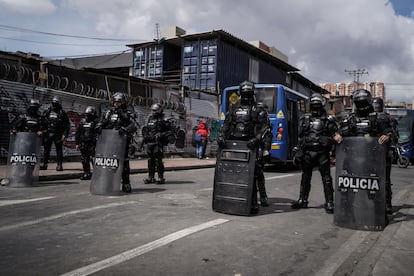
(264, 202)
(255, 206)
(161, 181)
(329, 207)
(328, 191)
(149, 180)
(305, 187)
(59, 167)
(300, 203)
(388, 207)
(86, 176)
(126, 188)
(43, 167)
(262, 191)
(388, 198)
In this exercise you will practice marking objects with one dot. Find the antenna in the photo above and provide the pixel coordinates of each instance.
(157, 32)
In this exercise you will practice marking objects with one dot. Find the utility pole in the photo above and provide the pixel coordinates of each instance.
(356, 73)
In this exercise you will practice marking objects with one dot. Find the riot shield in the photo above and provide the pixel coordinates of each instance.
(360, 184)
(234, 179)
(108, 163)
(23, 159)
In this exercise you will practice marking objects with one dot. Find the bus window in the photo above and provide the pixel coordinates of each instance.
(302, 107)
(267, 96)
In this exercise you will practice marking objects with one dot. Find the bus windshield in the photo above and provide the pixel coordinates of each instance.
(265, 95)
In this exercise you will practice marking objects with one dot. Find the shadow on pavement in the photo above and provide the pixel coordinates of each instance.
(399, 215)
(147, 190)
(277, 205)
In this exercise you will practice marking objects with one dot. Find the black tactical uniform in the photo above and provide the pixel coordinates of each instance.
(385, 118)
(121, 119)
(85, 139)
(58, 126)
(243, 123)
(32, 121)
(316, 132)
(155, 136)
(264, 151)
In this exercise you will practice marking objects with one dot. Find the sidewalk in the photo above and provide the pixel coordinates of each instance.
(73, 170)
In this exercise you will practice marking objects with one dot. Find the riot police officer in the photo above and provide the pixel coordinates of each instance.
(365, 121)
(378, 105)
(243, 123)
(264, 151)
(58, 129)
(32, 121)
(121, 119)
(155, 137)
(317, 133)
(85, 139)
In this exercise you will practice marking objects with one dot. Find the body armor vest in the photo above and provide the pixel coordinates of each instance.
(53, 120)
(366, 125)
(88, 131)
(32, 123)
(117, 118)
(242, 126)
(155, 125)
(315, 128)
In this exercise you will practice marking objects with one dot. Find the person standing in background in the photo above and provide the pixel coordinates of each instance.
(201, 136)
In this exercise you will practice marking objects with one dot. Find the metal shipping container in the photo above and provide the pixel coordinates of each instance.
(207, 63)
(156, 61)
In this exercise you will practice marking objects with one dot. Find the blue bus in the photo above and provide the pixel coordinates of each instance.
(285, 107)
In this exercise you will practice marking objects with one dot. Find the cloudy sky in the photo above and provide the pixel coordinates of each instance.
(322, 38)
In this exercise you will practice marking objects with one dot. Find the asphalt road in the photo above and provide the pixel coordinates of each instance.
(60, 228)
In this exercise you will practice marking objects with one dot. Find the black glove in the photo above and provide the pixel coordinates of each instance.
(253, 143)
(98, 128)
(298, 156)
(122, 131)
(221, 142)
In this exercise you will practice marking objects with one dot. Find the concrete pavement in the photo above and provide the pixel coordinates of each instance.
(389, 252)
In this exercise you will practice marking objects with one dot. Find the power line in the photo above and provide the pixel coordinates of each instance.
(90, 55)
(58, 43)
(18, 29)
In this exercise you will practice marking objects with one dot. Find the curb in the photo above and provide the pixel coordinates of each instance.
(66, 176)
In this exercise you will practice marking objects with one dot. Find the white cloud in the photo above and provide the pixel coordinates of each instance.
(27, 6)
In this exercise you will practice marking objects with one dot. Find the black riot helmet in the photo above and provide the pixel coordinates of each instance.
(90, 112)
(56, 103)
(246, 91)
(156, 109)
(363, 101)
(119, 97)
(316, 103)
(378, 104)
(34, 106)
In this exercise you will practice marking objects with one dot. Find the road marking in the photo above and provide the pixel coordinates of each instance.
(349, 246)
(279, 176)
(61, 215)
(130, 254)
(19, 201)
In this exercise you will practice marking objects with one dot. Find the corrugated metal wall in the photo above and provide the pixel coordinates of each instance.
(15, 96)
